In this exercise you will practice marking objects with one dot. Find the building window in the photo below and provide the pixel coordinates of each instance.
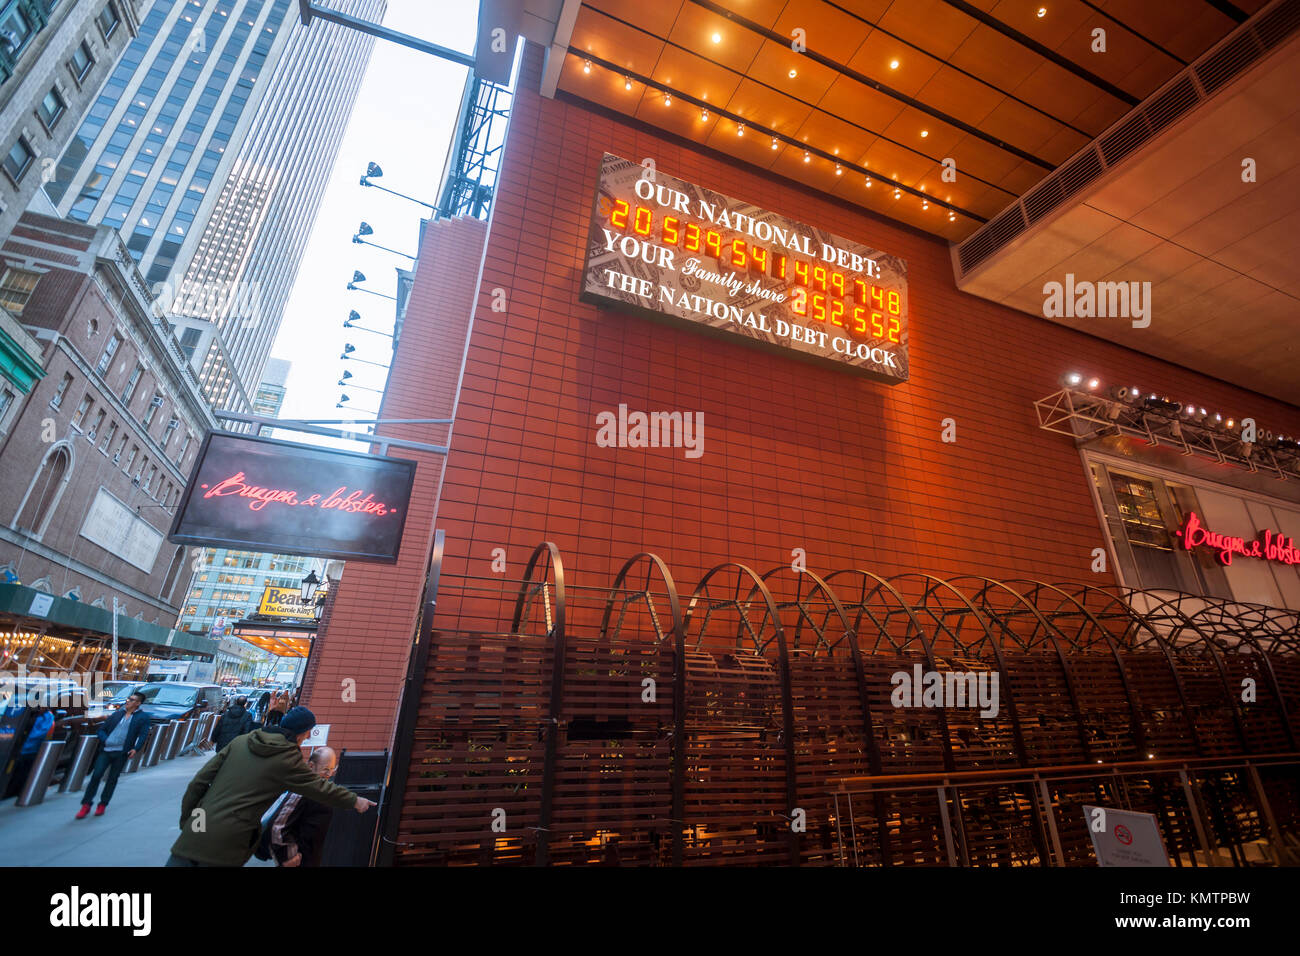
(128, 393)
(155, 403)
(7, 399)
(52, 107)
(14, 32)
(135, 450)
(57, 400)
(121, 447)
(81, 61)
(148, 482)
(108, 20)
(82, 411)
(94, 429)
(106, 360)
(16, 287)
(45, 490)
(189, 342)
(19, 159)
(108, 438)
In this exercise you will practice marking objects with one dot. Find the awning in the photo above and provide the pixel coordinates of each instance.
(24, 608)
(278, 637)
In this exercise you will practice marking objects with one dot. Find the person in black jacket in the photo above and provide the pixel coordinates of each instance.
(297, 832)
(125, 732)
(235, 722)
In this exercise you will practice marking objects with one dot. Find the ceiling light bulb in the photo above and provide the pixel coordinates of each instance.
(627, 83)
(839, 171)
(952, 217)
(793, 74)
(668, 99)
(774, 144)
(704, 114)
(717, 38)
(924, 133)
(586, 67)
(893, 64)
(1042, 12)
(807, 157)
(897, 193)
(740, 129)
(868, 182)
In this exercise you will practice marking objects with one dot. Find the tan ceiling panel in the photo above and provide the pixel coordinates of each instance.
(835, 136)
(934, 26)
(1185, 29)
(657, 17)
(774, 64)
(1017, 124)
(827, 31)
(1057, 92)
(915, 69)
(815, 171)
(762, 12)
(600, 86)
(1124, 53)
(1063, 145)
(774, 110)
(865, 106)
(696, 76)
(994, 58)
(678, 117)
(1101, 116)
(1063, 17)
(696, 27)
(615, 42)
(1022, 178)
(923, 133)
(869, 10)
(750, 147)
(953, 92)
(978, 158)
(900, 165)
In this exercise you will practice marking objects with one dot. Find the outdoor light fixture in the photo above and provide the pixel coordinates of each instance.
(627, 83)
(1072, 379)
(361, 277)
(348, 349)
(807, 156)
(353, 316)
(868, 182)
(373, 171)
(586, 67)
(1042, 12)
(365, 230)
(309, 585)
(793, 74)
(1161, 404)
(774, 143)
(952, 217)
(839, 170)
(704, 114)
(924, 133)
(668, 99)
(740, 129)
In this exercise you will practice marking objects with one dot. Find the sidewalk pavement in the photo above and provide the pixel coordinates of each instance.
(137, 829)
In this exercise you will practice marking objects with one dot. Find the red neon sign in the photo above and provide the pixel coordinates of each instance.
(339, 499)
(1280, 548)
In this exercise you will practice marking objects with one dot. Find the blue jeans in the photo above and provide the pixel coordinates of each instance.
(112, 762)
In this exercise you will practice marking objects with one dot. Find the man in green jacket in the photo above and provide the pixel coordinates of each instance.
(221, 813)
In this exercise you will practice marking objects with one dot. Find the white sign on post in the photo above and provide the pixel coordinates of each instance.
(1125, 838)
(319, 734)
(41, 604)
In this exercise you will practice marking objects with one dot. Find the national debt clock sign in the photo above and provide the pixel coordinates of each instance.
(678, 252)
(269, 495)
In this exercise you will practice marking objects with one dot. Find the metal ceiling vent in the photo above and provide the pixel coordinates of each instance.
(1249, 43)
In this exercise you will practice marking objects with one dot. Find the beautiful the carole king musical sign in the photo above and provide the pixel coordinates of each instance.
(673, 250)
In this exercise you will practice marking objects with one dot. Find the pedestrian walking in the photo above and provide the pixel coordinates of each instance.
(221, 813)
(120, 737)
(297, 833)
(235, 722)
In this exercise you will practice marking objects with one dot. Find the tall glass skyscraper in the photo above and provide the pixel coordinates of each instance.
(208, 149)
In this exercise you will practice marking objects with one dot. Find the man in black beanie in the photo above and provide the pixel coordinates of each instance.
(221, 813)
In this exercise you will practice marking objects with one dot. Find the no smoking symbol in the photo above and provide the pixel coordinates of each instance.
(1123, 835)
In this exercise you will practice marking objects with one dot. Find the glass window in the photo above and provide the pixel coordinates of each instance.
(128, 393)
(7, 399)
(57, 400)
(52, 107)
(81, 61)
(106, 360)
(19, 159)
(154, 404)
(108, 20)
(108, 438)
(94, 429)
(14, 31)
(135, 450)
(16, 287)
(82, 411)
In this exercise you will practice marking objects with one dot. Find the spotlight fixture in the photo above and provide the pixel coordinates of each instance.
(868, 182)
(704, 114)
(807, 156)
(1071, 379)
(924, 133)
(668, 99)
(740, 129)
(627, 83)
(925, 204)
(774, 142)
(717, 37)
(952, 217)
(1158, 403)
(1093, 384)
(793, 74)
(897, 193)
(893, 64)
(1042, 12)
(839, 170)
(586, 67)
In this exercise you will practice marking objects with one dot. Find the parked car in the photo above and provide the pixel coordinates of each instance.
(178, 700)
(112, 694)
(59, 694)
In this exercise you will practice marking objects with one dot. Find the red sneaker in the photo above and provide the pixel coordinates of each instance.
(85, 809)
(99, 810)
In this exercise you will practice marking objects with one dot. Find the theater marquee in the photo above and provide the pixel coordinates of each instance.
(671, 249)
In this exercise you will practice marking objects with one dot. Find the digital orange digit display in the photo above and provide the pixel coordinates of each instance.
(671, 248)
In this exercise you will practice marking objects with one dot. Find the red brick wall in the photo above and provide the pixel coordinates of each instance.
(795, 455)
(367, 635)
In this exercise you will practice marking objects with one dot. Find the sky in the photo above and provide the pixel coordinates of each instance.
(404, 119)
